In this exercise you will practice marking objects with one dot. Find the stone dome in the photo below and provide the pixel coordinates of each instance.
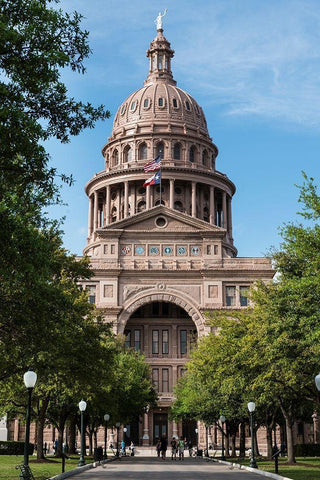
(160, 101)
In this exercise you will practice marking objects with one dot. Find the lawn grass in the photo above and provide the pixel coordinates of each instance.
(41, 470)
(306, 468)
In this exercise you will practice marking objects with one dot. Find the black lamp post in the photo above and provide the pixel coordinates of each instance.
(106, 419)
(82, 407)
(117, 427)
(251, 408)
(222, 420)
(29, 379)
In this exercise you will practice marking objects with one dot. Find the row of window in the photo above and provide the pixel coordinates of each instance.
(234, 296)
(160, 341)
(161, 378)
(193, 155)
(147, 102)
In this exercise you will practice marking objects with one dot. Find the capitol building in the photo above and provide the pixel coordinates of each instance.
(163, 254)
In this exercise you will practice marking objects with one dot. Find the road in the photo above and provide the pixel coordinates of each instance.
(147, 468)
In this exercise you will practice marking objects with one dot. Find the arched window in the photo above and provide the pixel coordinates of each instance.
(143, 151)
(206, 214)
(160, 149)
(115, 157)
(141, 206)
(178, 206)
(114, 214)
(127, 154)
(159, 203)
(205, 158)
(177, 151)
(192, 154)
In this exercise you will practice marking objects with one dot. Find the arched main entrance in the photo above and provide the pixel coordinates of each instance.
(165, 333)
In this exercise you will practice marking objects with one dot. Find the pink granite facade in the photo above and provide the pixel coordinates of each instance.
(164, 255)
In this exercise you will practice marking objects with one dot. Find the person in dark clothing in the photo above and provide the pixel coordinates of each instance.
(163, 446)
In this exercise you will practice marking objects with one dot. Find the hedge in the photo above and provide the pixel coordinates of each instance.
(14, 448)
(307, 450)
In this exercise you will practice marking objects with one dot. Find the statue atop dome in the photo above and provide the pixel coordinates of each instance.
(159, 18)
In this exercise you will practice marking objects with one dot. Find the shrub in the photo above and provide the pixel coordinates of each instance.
(307, 450)
(14, 448)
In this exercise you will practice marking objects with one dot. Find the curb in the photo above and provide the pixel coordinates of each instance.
(250, 469)
(77, 470)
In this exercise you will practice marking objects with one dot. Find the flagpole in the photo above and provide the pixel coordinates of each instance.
(160, 185)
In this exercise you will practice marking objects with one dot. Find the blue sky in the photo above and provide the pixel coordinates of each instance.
(253, 66)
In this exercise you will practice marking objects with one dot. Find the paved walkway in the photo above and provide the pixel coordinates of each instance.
(146, 468)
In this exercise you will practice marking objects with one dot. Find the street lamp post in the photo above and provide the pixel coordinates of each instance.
(124, 440)
(222, 420)
(29, 379)
(251, 408)
(117, 427)
(197, 438)
(82, 407)
(106, 419)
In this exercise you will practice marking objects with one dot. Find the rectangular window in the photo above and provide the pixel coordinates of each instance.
(165, 341)
(155, 379)
(155, 341)
(91, 289)
(165, 380)
(192, 339)
(113, 249)
(128, 338)
(137, 340)
(243, 296)
(183, 342)
(230, 296)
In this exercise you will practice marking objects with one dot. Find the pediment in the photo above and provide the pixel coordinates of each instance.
(174, 221)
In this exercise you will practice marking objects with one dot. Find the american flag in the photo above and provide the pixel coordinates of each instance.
(153, 165)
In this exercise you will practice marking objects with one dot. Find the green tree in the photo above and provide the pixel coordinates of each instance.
(37, 42)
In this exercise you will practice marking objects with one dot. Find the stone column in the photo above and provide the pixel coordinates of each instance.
(212, 206)
(175, 432)
(16, 430)
(107, 208)
(118, 204)
(90, 223)
(193, 200)
(148, 197)
(224, 210)
(133, 199)
(230, 217)
(95, 210)
(171, 201)
(126, 196)
(145, 438)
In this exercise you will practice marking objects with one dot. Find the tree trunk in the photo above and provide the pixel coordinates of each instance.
(289, 423)
(95, 438)
(40, 428)
(72, 436)
(41, 418)
(242, 446)
(233, 445)
(269, 442)
(90, 442)
(290, 452)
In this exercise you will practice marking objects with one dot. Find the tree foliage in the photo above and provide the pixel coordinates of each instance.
(269, 353)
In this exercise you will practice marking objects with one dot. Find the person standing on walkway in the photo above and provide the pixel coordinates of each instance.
(174, 447)
(181, 448)
(158, 447)
(163, 446)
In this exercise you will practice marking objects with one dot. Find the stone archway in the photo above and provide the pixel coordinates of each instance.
(170, 296)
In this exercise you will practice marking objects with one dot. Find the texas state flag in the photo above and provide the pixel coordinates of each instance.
(154, 180)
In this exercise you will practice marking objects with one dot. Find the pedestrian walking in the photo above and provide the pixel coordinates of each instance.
(181, 448)
(163, 446)
(174, 447)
